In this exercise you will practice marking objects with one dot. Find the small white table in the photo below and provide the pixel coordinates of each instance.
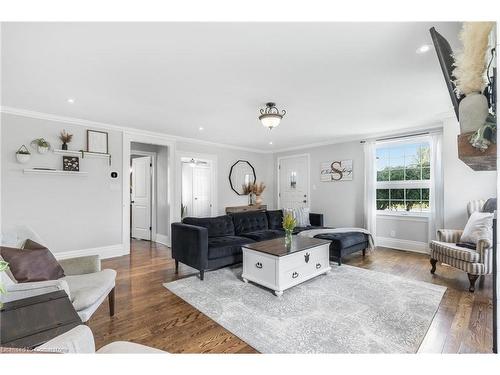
(277, 266)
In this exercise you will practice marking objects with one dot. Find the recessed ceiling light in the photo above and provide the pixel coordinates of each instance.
(201, 128)
(424, 48)
(270, 142)
(71, 100)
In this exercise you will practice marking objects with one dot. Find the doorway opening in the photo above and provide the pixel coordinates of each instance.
(197, 187)
(149, 215)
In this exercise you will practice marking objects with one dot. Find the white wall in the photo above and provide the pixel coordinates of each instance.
(68, 212)
(263, 164)
(341, 202)
(461, 183)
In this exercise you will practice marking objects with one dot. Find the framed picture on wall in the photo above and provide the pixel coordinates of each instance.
(97, 141)
(339, 170)
(71, 163)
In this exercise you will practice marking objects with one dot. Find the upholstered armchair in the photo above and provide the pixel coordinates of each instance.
(476, 262)
(86, 285)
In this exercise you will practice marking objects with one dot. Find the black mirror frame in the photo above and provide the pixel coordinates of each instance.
(231, 172)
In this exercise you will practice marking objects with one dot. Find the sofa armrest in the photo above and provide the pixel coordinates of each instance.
(190, 245)
(449, 235)
(81, 265)
(316, 219)
(26, 290)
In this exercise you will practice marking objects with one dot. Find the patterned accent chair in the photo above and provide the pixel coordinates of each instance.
(476, 262)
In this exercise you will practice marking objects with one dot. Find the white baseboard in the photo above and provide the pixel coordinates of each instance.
(104, 252)
(396, 243)
(161, 238)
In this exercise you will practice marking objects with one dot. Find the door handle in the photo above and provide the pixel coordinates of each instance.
(132, 201)
(304, 201)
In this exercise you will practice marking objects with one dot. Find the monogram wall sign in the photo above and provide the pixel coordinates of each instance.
(339, 170)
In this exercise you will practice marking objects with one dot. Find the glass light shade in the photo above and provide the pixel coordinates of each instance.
(270, 120)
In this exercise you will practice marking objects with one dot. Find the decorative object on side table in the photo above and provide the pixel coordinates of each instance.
(247, 189)
(41, 144)
(97, 141)
(289, 224)
(23, 155)
(258, 189)
(65, 138)
(340, 170)
(71, 163)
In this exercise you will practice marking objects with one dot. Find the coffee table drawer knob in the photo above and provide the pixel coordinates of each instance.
(258, 265)
(318, 266)
(295, 275)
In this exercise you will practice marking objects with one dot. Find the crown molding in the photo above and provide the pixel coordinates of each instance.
(105, 126)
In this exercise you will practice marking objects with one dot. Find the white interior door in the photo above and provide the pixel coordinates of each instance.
(197, 190)
(141, 198)
(294, 181)
(201, 191)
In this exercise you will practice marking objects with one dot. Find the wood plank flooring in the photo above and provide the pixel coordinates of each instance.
(147, 313)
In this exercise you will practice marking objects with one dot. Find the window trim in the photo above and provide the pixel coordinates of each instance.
(403, 184)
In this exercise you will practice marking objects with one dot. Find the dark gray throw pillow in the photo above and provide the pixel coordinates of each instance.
(32, 265)
(490, 205)
(32, 245)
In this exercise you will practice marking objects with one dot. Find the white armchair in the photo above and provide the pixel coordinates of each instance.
(86, 285)
(81, 340)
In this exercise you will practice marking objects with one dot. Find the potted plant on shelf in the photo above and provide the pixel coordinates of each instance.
(258, 189)
(41, 144)
(23, 155)
(289, 224)
(65, 138)
(3, 266)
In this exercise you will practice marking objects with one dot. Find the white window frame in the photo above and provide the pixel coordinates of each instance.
(415, 184)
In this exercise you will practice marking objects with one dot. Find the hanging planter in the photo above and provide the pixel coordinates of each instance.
(23, 155)
(41, 145)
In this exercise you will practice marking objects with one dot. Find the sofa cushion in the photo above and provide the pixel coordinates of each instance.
(32, 265)
(275, 219)
(245, 222)
(263, 235)
(216, 226)
(453, 251)
(344, 240)
(220, 247)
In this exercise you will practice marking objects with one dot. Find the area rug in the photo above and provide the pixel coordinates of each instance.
(349, 310)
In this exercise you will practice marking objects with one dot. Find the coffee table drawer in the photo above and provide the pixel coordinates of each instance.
(304, 257)
(259, 268)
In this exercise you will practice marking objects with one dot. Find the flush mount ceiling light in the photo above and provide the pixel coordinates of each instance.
(271, 116)
(423, 48)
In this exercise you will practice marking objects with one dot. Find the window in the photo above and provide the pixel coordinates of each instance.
(403, 177)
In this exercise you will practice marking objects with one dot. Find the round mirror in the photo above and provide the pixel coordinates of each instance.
(241, 174)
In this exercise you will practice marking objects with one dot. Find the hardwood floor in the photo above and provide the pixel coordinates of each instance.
(147, 313)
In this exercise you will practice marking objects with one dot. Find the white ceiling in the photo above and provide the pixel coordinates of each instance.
(336, 80)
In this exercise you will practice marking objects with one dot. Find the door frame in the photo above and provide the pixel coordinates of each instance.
(169, 142)
(212, 159)
(153, 156)
(278, 163)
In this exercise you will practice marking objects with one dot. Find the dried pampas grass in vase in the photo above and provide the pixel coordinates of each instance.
(470, 74)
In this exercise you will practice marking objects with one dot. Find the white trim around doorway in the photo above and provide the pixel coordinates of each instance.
(153, 156)
(128, 138)
(210, 158)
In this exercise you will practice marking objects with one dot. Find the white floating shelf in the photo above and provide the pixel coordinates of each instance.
(83, 154)
(51, 171)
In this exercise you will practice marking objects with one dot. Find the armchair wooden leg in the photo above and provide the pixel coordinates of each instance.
(364, 252)
(176, 266)
(433, 264)
(111, 300)
(472, 281)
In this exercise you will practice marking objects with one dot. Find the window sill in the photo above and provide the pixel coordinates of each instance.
(396, 215)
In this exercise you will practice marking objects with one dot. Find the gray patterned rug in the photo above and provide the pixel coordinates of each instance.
(350, 310)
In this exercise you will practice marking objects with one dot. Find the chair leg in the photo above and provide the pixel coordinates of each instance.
(111, 300)
(202, 275)
(176, 266)
(339, 261)
(472, 281)
(433, 264)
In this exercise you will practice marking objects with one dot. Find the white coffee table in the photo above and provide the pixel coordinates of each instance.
(278, 267)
